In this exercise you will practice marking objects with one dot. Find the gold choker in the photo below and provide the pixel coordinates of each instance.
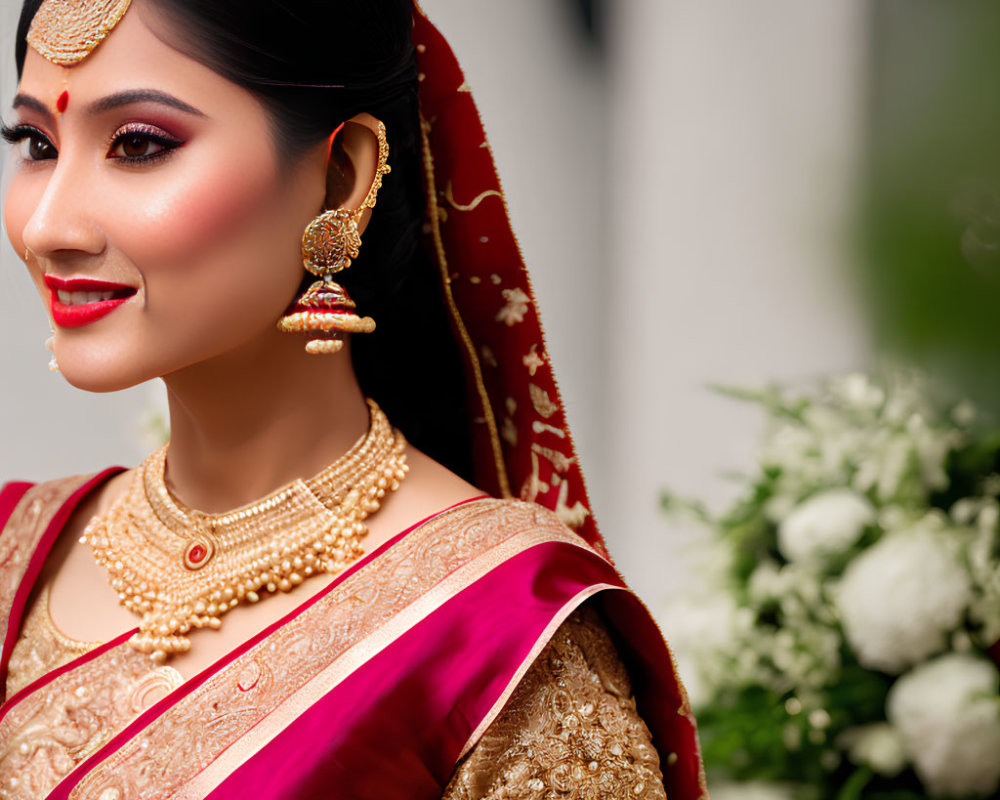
(181, 569)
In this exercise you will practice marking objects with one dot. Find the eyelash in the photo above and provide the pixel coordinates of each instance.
(18, 133)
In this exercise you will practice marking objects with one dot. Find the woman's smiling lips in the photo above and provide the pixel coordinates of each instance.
(79, 301)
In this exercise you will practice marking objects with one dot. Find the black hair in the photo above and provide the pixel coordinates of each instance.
(314, 64)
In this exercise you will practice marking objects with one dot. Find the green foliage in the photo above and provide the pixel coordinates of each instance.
(928, 221)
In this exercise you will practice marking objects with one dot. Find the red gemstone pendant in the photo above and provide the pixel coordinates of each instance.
(197, 553)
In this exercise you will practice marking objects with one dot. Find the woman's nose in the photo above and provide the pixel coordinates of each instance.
(65, 219)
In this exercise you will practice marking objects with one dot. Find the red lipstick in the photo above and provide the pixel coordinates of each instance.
(79, 301)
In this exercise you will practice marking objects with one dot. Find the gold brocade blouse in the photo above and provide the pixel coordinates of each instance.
(41, 647)
(570, 730)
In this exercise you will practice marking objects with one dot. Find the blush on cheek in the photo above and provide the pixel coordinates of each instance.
(194, 217)
(205, 195)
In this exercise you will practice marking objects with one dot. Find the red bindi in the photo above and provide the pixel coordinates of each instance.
(62, 102)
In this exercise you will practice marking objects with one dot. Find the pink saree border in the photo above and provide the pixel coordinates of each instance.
(68, 784)
(10, 495)
(161, 755)
(642, 646)
(40, 551)
(546, 636)
(408, 710)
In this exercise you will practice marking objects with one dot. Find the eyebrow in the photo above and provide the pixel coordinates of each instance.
(27, 101)
(112, 101)
(140, 96)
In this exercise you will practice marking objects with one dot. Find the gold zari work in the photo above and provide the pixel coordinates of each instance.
(66, 31)
(181, 569)
(215, 729)
(570, 730)
(52, 730)
(42, 647)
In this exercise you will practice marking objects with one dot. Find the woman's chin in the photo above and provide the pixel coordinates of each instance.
(103, 377)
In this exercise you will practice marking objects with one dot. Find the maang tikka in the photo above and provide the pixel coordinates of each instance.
(325, 312)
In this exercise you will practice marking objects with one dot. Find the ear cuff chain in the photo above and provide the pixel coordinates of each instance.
(325, 312)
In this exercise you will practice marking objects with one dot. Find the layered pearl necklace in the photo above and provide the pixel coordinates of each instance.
(181, 569)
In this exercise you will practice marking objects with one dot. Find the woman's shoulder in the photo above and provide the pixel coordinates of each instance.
(434, 487)
(571, 724)
(500, 529)
(26, 506)
(19, 499)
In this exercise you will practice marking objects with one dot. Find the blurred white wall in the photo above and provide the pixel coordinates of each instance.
(735, 129)
(694, 186)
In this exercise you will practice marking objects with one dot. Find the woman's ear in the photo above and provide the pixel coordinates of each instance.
(351, 165)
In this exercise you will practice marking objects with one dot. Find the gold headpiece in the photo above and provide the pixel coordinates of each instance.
(66, 31)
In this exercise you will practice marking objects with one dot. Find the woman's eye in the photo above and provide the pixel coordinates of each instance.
(37, 148)
(31, 143)
(141, 145)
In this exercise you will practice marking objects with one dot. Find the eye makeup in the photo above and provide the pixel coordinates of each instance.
(132, 144)
(40, 147)
(136, 136)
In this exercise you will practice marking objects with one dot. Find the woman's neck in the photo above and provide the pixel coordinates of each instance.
(248, 423)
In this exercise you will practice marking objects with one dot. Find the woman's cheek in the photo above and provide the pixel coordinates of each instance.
(193, 208)
(218, 253)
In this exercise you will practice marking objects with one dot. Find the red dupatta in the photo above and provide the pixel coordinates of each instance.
(524, 447)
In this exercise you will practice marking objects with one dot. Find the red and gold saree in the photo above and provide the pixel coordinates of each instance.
(376, 687)
(489, 651)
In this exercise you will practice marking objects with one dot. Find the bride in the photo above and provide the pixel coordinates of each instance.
(324, 585)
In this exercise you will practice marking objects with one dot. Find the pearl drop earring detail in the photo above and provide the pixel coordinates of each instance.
(50, 345)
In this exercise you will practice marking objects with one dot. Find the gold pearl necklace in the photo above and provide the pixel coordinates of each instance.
(181, 569)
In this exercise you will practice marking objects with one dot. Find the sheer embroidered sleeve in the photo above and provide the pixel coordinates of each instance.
(570, 729)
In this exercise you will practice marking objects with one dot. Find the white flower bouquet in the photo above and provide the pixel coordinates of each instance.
(846, 652)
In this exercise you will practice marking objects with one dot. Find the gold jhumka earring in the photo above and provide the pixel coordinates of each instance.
(325, 312)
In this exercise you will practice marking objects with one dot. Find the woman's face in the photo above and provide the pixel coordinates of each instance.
(151, 209)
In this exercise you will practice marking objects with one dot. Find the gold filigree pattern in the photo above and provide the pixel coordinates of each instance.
(41, 647)
(22, 533)
(331, 241)
(164, 759)
(570, 730)
(51, 730)
(541, 401)
(66, 31)
(515, 306)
